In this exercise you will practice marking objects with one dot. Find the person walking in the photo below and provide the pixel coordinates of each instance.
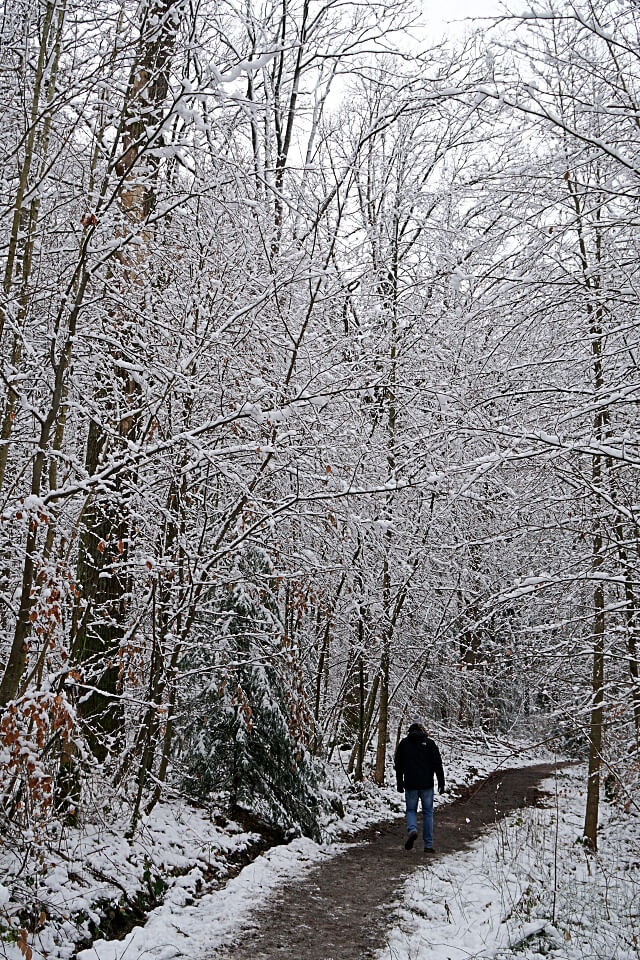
(416, 761)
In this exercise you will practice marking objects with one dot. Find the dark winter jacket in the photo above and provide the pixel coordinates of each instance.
(417, 759)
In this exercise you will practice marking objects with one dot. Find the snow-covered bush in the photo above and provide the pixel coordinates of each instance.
(245, 724)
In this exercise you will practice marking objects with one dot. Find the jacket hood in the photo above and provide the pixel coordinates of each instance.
(415, 728)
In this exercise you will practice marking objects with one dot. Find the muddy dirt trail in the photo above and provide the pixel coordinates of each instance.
(342, 908)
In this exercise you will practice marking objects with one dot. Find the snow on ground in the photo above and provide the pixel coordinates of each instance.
(181, 855)
(528, 890)
(93, 871)
(178, 929)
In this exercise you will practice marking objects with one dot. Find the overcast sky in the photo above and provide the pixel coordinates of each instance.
(438, 12)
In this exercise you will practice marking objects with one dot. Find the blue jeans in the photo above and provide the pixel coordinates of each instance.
(426, 798)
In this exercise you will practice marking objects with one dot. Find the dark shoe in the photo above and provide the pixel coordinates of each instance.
(411, 839)
(429, 850)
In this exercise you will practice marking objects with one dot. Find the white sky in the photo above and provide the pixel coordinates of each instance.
(437, 13)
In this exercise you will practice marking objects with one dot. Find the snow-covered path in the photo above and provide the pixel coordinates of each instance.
(509, 881)
(527, 889)
(344, 907)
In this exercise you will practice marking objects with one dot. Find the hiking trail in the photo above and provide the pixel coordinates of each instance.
(342, 909)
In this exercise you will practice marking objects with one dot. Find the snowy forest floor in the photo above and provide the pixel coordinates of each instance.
(341, 910)
(509, 879)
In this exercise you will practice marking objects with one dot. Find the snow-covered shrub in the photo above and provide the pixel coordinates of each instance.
(245, 722)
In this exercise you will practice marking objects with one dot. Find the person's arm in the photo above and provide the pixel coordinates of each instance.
(399, 768)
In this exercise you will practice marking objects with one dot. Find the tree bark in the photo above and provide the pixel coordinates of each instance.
(106, 532)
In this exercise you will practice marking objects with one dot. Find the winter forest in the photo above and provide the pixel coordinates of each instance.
(319, 399)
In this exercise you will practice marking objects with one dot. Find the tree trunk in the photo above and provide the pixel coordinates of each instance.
(359, 771)
(105, 535)
(595, 727)
(99, 629)
(368, 720)
(383, 716)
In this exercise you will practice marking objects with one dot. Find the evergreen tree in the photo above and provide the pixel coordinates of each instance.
(246, 720)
